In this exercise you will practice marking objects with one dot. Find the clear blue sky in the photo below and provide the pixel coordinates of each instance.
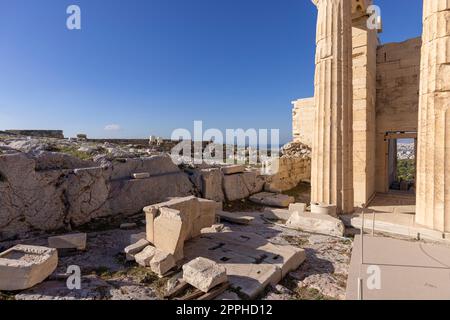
(151, 66)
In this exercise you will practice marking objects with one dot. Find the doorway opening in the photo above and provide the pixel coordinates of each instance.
(402, 155)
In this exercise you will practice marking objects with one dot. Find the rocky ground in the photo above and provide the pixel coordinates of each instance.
(107, 275)
(80, 149)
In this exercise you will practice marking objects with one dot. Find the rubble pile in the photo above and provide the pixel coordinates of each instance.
(296, 149)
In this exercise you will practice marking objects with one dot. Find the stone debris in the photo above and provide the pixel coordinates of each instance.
(250, 260)
(228, 170)
(162, 262)
(272, 199)
(277, 214)
(296, 149)
(68, 241)
(322, 208)
(127, 226)
(235, 217)
(135, 248)
(213, 228)
(317, 223)
(228, 295)
(204, 274)
(82, 137)
(209, 182)
(144, 175)
(144, 257)
(22, 266)
(170, 224)
(297, 207)
(234, 187)
(137, 236)
(170, 229)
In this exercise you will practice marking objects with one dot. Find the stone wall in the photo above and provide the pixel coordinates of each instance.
(398, 75)
(303, 120)
(213, 184)
(52, 191)
(287, 172)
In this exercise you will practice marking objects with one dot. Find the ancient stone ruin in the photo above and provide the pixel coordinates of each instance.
(122, 209)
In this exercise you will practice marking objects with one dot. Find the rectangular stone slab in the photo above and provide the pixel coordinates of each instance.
(234, 217)
(68, 241)
(251, 261)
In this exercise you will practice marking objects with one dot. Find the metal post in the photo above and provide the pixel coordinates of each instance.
(373, 223)
(362, 239)
(360, 288)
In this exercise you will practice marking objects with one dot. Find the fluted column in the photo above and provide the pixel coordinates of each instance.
(332, 166)
(433, 163)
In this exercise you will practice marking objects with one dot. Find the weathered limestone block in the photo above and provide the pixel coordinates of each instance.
(170, 231)
(68, 241)
(277, 214)
(169, 224)
(212, 184)
(253, 181)
(87, 194)
(144, 175)
(234, 187)
(188, 207)
(145, 257)
(130, 196)
(156, 165)
(204, 274)
(29, 199)
(162, 262)
(55, 198)
(57, 161)
(233, 169)
(297, 207)
(22, 267)
(135, 248)
(317, 223)
(272, 199)
(209, 183)
(286, 173)
(213, 229)
(206, 216)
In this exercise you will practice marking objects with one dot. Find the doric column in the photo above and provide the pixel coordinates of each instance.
(433, 163)
(332, 172)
